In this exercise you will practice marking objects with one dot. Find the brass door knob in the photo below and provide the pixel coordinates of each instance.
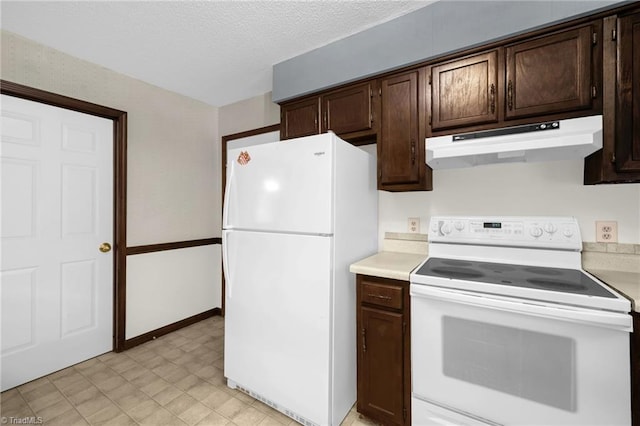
(105, 247)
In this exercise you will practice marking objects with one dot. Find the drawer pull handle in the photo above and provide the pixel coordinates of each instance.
(379, 296)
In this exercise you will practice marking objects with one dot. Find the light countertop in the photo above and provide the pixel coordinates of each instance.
(627, 283)
(388, 264)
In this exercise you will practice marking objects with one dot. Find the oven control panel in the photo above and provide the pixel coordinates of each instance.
(520, 231)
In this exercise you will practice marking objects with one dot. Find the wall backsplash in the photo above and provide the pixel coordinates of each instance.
(537, 189)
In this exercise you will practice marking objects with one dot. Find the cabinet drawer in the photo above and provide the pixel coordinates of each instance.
(389, 296)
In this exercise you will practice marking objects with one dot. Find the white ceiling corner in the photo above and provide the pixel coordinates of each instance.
(218, 52)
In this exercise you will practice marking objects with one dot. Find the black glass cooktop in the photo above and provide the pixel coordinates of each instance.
(536, 277)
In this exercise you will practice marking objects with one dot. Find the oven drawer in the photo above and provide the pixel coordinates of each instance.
(385, 295)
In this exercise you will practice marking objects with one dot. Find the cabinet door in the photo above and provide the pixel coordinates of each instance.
(348, 110)
(549, 74)
(300, 118)
(381, 365)
(628, 109)
(398, 145)
(464, 92)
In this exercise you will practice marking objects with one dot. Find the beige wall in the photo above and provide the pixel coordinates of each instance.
(172, 155)
(173, 174)
(248, 114)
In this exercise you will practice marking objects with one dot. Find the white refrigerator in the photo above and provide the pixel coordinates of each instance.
(297, 213)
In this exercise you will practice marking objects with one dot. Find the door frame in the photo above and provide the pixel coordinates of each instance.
(119, 119)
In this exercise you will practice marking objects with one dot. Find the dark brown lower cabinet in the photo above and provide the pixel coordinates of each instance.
(384, 361)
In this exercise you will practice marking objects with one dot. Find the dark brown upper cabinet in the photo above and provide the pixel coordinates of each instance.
(627, 148)
(300, 118)
(401, 162)
(464, 91)
(550, 74)
(349, 112)
(619, 159)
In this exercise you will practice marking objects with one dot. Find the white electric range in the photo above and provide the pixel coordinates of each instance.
(508, 329)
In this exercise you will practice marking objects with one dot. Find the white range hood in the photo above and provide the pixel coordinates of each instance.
(552, 140)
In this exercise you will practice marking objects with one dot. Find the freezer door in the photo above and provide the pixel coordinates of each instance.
(282, 186)
(277, 319)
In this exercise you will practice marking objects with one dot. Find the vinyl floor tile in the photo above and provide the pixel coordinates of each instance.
(68, 418)
(195, 413)
(249, 417)
(214, 419)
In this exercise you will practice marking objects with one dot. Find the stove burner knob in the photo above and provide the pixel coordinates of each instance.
(459, 225)
(435, 227)
(536, 231)
(446, 229)
(568, 232)
(550, 228)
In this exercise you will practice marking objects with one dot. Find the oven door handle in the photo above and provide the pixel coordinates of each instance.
(612, 320)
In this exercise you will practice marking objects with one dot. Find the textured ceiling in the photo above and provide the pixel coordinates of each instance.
(216, 51)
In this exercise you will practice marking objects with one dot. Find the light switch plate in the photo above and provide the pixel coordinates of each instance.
(414, 225)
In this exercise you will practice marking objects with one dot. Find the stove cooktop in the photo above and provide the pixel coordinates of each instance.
(524, 276)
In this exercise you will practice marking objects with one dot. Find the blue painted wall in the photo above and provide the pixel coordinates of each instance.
(439, 28)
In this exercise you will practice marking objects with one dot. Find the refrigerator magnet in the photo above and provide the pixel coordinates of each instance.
(243, 158)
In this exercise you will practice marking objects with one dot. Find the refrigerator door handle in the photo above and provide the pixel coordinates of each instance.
(225, 263)
(225, 201)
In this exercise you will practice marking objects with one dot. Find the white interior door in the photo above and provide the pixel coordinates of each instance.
(57, 209)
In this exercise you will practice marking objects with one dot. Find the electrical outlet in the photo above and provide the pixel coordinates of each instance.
(607, 231)
(414, 225)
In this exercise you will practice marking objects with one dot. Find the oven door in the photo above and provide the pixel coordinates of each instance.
(511, 362)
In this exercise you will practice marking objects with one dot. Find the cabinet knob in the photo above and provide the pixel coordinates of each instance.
(510, 95)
